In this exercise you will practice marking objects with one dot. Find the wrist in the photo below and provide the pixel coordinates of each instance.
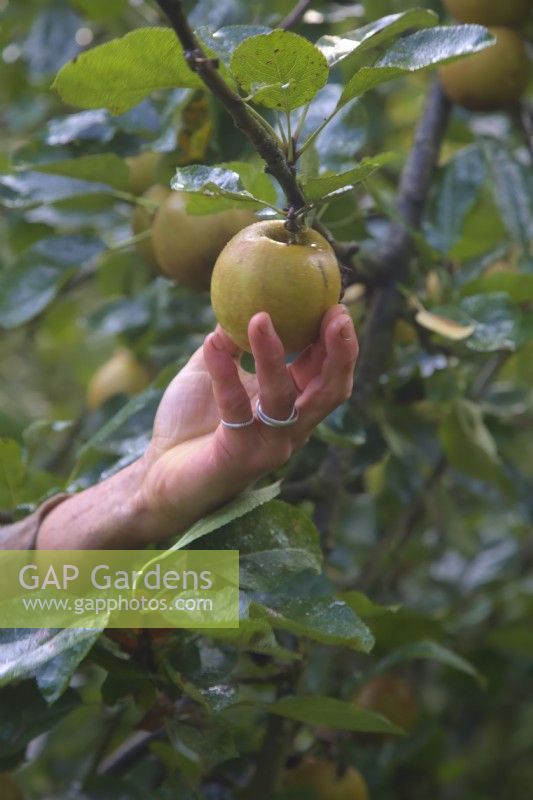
(105, 516)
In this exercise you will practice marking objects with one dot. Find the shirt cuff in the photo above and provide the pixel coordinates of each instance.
(22, 535)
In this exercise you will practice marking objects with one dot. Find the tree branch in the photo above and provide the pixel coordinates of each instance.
(207, 69)
(386, 301)
(294, 16)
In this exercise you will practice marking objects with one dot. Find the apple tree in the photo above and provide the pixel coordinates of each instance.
(385, 640)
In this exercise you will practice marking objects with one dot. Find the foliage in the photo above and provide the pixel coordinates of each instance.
(415, 561)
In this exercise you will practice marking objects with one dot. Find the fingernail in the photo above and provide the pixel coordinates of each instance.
(265, 326)
(346, 331)
(216, 341)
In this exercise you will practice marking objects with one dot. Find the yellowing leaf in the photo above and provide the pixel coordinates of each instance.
(444, 326)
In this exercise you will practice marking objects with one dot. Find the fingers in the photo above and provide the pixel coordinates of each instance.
(228, 344)
(309, 362)
(230, 395)
(342, 349)
(333, 384)
(197, 360)
(277, 392)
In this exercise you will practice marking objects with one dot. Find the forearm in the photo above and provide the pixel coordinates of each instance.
(105, 516)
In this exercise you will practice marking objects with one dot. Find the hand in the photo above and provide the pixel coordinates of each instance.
(194, 464)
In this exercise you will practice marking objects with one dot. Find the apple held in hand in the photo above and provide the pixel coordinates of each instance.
(260, 270)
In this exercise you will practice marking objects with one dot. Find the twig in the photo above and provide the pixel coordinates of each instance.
(129, 752)
(115, 718)
(487, 374)
(294, 16)
(271, 758)
(525, 127)
(334, 471)
(279, 735)
(207, 69)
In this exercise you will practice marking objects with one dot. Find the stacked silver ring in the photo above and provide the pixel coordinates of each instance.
(264, 418)
(275, 423)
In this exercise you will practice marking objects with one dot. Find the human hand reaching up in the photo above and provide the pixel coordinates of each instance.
(209, 443)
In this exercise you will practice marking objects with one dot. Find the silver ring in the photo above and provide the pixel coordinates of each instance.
(235, 426)
(275, 423)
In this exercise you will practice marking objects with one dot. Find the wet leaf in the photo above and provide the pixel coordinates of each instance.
(324, 186)
(419, 51)
(338, 48)
(327, 620)
(280, 70)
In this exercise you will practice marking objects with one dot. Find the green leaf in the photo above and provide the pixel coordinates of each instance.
(119, 74)
(106, 169)
(24, 715)
(52, 40)
(512, 193)
(324, 619)
(274, 540)
(515, 638)
(419, 51)
(208, 745)
(518, 285)
(365, 607)
(101, 10)
(469, 446)
(253, 635)
(280, 69)
(27, 189)
(28, 287)
(212, 189)
(119, 316)
(338, 48)
(225, 41)
(497, 323)
(325, 186)
(26, 653)
(238, 507)
(53, 677)
(456, 188)
(482, 229)
(345, 133)
(12, 473)
(428, 649)
(327, 712)
(406, 626)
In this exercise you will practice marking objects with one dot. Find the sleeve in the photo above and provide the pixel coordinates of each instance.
(23, 534)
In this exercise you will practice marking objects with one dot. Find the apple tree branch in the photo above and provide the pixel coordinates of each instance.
(206, 68)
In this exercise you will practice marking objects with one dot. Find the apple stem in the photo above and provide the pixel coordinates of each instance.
(293, 226)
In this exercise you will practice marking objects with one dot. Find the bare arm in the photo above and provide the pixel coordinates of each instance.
(193, 463)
